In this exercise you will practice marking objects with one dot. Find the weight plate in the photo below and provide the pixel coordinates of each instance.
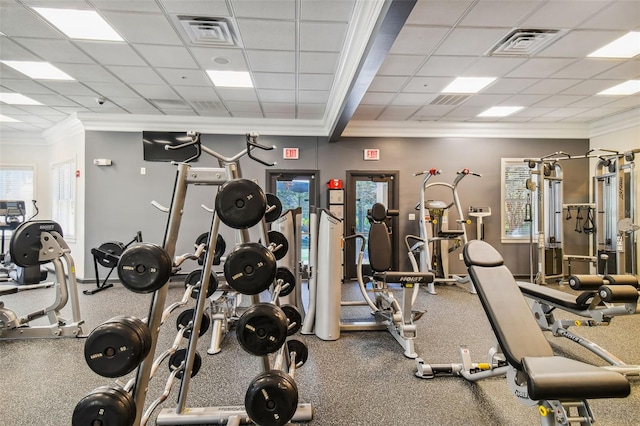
(113, 248)
(288, 281)
(143, 332)
(240, 203)
(144, 267)
(221, 247)
(294, 317)
(280, 244)
(262, 329)
(250, 268)
(25, 245)
(301, 350)
(272, 398)
(186, 317)
(195, 279)
(105, 406)
(274, 214)
(178, 358)
(115, 348)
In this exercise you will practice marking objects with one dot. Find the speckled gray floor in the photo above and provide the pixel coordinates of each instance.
(360, 379)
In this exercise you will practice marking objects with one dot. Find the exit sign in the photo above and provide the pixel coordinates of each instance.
(290, 153)
(372, 154)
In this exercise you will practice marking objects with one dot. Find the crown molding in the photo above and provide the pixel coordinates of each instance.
(414, 129)
(614, 123)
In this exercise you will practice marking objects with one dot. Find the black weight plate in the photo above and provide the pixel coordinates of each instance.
(25, 245)
(279, 244)
(105, 406)
(294, 317)
(301, 350)
(273, 214)
(144, 267)
(114, 248)
(195, 278)
(114, 348)
(272, 398)
(144, 333)
(288, 280)
(262, 329)
(186, 317)
(221, 247)
(240, 203)
(178, 357)
(202, 239)
(250, 268)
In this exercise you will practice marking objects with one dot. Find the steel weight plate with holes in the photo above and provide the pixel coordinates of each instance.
(144, 267)
(240, 203)
(250, 268)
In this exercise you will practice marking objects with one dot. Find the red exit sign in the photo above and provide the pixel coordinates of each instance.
(372, 154)
(290, 153)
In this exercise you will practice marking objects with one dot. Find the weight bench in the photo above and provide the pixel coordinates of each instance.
(599, 301)
(535, 376)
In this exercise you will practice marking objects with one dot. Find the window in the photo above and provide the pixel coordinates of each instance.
(64, 197)
(517, 201)
(17, 183)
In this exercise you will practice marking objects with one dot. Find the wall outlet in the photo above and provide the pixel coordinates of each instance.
(143, 170)
(460, 256)
(412, 216)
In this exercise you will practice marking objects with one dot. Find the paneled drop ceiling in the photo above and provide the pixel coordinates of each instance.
(308, 59)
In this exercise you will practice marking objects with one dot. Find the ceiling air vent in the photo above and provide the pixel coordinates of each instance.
(170, 104)
(449, 99)
(207, 106)
(522, 42)
(207, 31)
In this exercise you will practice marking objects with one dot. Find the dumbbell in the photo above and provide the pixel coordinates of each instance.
(263, 327)
(221, 247)
(116, 347)
(272, 396)
(144, 267)
(105, 406)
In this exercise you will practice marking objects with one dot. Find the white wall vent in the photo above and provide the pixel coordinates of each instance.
(207, 31)
(525, 42)
(449, 99)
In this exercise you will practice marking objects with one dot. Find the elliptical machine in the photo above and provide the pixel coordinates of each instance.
(427, 248)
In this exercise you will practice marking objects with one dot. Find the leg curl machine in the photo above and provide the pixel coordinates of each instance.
(559, 386)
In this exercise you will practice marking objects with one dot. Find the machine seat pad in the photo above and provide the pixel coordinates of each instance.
(585, 282)
(8, 289)
(622, 280)
(619, 293)
(574, 302)
(563, 379)
(451, 233)
(404, 277)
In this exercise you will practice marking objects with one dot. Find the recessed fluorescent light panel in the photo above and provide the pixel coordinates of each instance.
(626, 46)
(17, 99)
(500, 111)
(5, 119)
(38, 70)
(627, 88)
(230, 78)
(468, 84)
(80, 24)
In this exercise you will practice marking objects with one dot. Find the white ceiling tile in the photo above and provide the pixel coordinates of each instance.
(108, 108)
(211, 8)
(427, 84)
(314, 116)
(432, 111)
(33, 119)
(326, 10)
(437, 12)
(311, 109)
(590, 87)
(626, 71)
(322, 36)
(109, 53)
(274, 81)
(143, 27)
(53, 100)
(41, 110)
(598, 112)
(221, 113)
(248, 115)
(579, 43)
(420, 40)
(87, 73)
(10, 50)
(71, 110)
(237, 94)
(540, 68)
(498, 13)
(565, 112)
(241, 107)
(154, 91)
(400, 65)
(265, 9)
(387, 84)
(550, 86)
(19, 21)
(593, 102)
(559, 101)
(533, 112)
(275, 35)
(319, 62)
(617, 15)
(315, 81)
(23, 127)
(563, 14)
(268, 95)
(11, 110)
(442, 65)
(278, 108)
(205, 57)
(367, 112)
(181, 77)
(398, 112)
(53, 50)
(486, 100)
(127, 5)
(26, 87)
(466, 111)
(377, 98)
(131, 75)
(491, 67)
(587, 68)
(144, 111)
(63, 4)
(113, 89)
(467, 41)
(510, 85)
(195, 93)
(625, 102)
(413, 98)
(282, 116)
(184, 112)
(524, 100)
(67, 87)
(166, 56)
(132, 103)
(275, 61)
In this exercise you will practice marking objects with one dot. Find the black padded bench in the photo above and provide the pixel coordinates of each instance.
(550, 380)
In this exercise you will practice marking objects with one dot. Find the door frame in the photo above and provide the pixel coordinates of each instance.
(273, 174)
(350, 213)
